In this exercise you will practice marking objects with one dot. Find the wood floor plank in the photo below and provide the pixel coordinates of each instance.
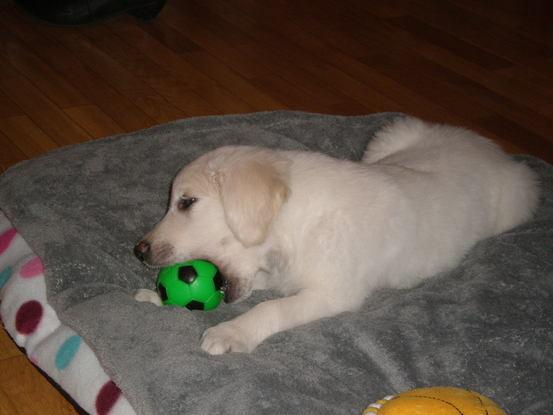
(27, 136)
(223, 75)
(532, 95)
(40, 109)
(75, 71)
(223, 100)
(10, 154)
(6, 405)
(531, 81)
(397, 41)
(357, 90)
(217, 45)
(526, 140)
(136, 64)
(232, 67)
(8, 349)
(221, 30)
(293, 97)
(171, 38)
(28, 392)
(469, 27)
(190, 101)
(57, 89)
(8, 108)
(142, 67)
(112, 71)
(302, 69)
(94, 121)
(159, 108)
(324, 45)
(428, 80)
(447, 41)
(487, 9)
(254, 51)
(136, 36)
(290, 62)
(408, 100)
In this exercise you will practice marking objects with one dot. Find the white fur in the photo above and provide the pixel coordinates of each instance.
(327, 232)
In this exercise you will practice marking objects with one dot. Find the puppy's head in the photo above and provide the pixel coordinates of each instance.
(221, 208)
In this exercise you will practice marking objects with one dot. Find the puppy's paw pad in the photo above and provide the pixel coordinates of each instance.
(147, 296)
(225, 338)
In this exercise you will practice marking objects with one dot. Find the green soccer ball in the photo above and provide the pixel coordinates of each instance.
(196, 285)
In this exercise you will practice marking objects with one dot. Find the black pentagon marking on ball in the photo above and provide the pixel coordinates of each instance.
(162, 292)
(195, 305)
(187, 274)
(219, 281)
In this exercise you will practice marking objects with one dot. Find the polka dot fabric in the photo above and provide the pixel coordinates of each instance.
(32, 323)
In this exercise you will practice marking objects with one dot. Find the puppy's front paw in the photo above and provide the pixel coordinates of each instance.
(147, 296)
(226, 337)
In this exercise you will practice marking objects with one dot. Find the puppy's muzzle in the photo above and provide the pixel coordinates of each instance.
(154, 254)
(142, 250)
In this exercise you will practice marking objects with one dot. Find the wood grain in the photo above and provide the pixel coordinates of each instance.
(483, 64)
(24, 391)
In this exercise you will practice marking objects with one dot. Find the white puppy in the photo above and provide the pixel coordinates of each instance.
(326, 232)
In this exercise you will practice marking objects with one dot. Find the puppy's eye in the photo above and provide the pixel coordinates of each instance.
(184, 203)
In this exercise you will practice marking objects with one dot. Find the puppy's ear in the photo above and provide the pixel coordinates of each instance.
(252, 194)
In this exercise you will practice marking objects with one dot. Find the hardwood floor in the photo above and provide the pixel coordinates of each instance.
(483, 64)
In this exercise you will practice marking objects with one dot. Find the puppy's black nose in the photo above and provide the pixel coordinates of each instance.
(142, 249)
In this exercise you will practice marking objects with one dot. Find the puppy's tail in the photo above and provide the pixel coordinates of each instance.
(401, 133)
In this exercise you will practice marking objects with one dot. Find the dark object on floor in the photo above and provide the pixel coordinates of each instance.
(77, 12)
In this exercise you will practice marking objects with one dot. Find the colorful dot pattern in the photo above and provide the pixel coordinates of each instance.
(29, 315)
(6, 239)
(67, 352)
(5, 275)
(32, 268)
(106, 399)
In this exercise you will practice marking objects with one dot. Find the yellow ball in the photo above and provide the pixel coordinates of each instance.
(435, 401)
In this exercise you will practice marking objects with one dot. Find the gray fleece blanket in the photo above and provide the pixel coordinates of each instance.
(487, 325)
